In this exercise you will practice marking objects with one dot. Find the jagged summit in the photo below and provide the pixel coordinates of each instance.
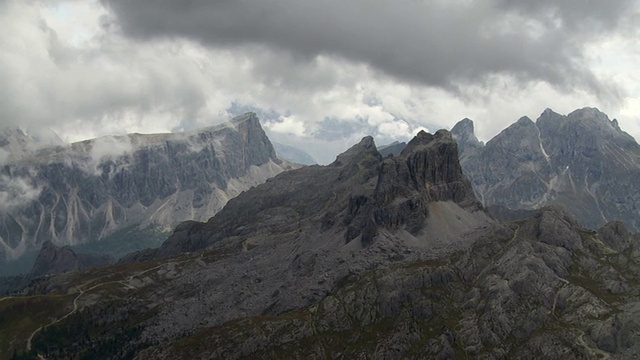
(464, 133)
(583, 161)
(424, 139)
(590, 119)
(588, 113)
(366, 147)
(464, 129)
(359, 195)
(548, 112)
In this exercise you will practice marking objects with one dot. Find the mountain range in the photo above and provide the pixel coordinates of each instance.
(582, 161)
(123, 193)
(370, 256)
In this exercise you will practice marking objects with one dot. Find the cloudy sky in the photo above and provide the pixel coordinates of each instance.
(321, 74)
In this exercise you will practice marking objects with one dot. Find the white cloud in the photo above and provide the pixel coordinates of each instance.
(67, 65)
(4, 156)
(17, 191)
(110, 147)
(287, 125)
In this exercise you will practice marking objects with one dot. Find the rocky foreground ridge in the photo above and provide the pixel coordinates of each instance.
(582, 161)
(109, 189)
(368, 257)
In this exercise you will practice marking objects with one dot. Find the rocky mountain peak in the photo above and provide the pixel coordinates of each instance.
(520, 137)
(53, 259)
(525, 121)
(88, 191)
(433, 164)
(464, 128)
(615, 124)
(581, 158)
(366, 147)
(549, 118)
(424, 139)
(259, 149)
(521, 128)
(465, 136)
(549, 112)
(588, 113)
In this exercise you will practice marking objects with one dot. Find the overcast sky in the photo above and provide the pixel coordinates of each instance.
(321, 74)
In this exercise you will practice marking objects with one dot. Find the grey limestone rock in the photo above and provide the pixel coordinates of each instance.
(582, 161)
(88, 191)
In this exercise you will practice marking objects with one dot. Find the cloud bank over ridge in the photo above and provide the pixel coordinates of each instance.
(323, 72)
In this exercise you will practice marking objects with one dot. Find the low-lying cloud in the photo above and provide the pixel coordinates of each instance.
(325, 72)
(17, 191)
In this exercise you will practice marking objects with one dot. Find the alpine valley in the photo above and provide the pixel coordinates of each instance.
(371, 257)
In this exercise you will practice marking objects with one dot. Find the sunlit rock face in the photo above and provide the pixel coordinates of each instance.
(582, 161)
(87, 191)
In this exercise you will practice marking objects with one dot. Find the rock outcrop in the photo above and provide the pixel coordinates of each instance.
(511, 294)
(357, 195)
(55, 260)
(582, 161)
(96, 189)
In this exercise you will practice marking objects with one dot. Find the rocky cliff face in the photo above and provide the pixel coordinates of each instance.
(358, 196)
(364, 258)
(582, 161)
(465, 136)
(90, 190)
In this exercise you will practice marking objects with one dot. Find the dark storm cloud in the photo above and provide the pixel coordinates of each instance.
(438, 43)
(50, 80)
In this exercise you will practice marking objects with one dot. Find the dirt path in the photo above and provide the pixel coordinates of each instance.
(83, 291)
(75, 308)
